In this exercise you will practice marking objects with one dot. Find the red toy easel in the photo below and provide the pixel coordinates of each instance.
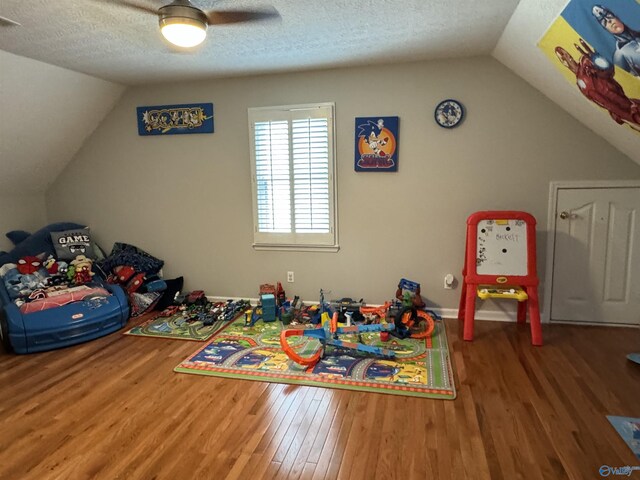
(500, 258)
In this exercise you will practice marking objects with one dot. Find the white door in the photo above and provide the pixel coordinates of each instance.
(596, 262)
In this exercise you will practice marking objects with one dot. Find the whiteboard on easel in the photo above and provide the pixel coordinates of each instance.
(501, 247)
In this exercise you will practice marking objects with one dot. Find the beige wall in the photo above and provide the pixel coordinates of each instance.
(187, 198)
(20, 212)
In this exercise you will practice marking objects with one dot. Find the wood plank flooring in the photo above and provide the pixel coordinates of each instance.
(114, 409)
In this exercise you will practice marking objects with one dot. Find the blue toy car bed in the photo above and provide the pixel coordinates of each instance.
(90, 317)
(62, 326)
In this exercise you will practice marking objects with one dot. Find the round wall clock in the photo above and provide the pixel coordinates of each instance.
(449, 113)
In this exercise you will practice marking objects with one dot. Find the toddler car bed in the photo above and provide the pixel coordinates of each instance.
(67, 315)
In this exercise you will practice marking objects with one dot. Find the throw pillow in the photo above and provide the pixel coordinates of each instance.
(71, 243)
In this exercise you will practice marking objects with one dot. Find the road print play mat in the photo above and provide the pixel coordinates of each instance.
(421, 368)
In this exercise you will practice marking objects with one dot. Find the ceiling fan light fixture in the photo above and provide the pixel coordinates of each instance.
(182, 25)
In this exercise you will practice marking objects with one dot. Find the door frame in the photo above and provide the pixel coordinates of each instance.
(554, 188)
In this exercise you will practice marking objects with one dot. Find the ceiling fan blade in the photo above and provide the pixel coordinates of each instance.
(7, 22)
(135, 6)
(227, 17)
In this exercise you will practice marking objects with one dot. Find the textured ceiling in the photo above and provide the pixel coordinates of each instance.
(517, 49)
(106, 40)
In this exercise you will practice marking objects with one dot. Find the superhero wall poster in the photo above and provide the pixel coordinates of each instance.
(376, 144)
(596, 46)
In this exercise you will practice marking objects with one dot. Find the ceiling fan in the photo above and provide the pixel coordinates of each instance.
(185, 25)
(7, 22)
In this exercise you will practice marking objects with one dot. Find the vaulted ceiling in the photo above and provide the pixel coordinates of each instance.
(119, 45)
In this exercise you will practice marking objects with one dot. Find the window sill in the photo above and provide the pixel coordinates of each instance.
(297, 248)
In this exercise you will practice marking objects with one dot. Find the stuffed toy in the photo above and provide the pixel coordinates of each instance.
(82, 270)
(29, 264)
(63, 268)
(71, 273)
(51, 265)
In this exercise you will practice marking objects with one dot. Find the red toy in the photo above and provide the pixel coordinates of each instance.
(280, 296)
(124, 273)
(135, 283)
(28, 265)
(500, 261)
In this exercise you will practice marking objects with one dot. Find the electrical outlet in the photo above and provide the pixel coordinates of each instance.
(448, 281)
(290, 277)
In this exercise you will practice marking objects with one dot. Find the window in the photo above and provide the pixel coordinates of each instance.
(292, 172)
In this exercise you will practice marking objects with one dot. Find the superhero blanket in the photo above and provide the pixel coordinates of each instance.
(58, 298)
(595, 44)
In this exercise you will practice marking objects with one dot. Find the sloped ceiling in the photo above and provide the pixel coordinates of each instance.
(517, 49)
(47, 112)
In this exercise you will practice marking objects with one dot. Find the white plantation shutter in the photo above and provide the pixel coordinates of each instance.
(292, 167)
(310, 145)
(273, 176)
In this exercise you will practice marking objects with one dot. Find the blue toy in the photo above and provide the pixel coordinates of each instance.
(54, 327)
(323, 307)
(268, 302)
(62, 326)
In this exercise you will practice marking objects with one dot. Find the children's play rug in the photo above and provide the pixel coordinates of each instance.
(422, 368)
(175, 326)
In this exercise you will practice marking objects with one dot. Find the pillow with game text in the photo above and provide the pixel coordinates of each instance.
(71, 243)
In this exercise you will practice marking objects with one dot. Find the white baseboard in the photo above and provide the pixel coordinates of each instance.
(593, 324)
(490, 315)
(487, 315)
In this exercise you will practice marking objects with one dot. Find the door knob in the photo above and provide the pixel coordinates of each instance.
(564, 215)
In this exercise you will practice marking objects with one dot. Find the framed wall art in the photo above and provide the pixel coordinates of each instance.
(175, 119)
(376, 141)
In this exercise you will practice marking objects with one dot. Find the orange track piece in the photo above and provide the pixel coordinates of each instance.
(292, 354)
(431, 325)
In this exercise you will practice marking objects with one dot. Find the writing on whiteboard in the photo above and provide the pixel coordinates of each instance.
(508, 237)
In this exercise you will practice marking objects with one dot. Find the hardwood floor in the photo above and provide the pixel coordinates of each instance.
(114, 409)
